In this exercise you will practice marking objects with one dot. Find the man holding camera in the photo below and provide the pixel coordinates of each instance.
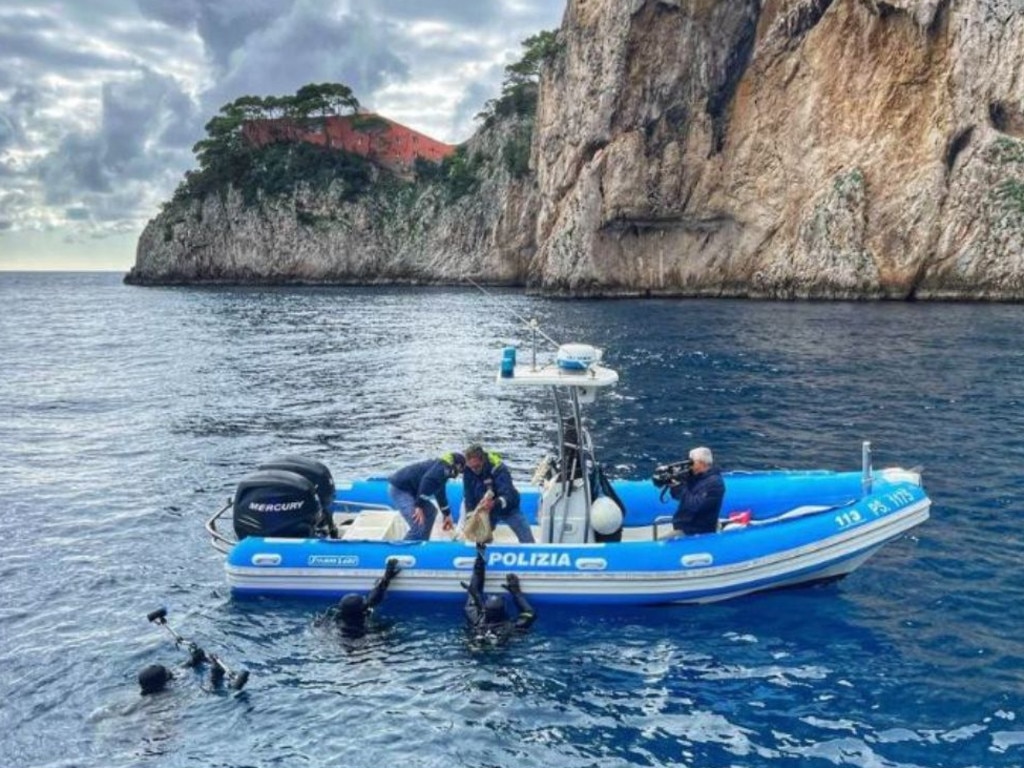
(700, 495)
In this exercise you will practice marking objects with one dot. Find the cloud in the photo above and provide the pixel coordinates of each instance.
(473, 100)
(223, 25)
(179, 14)
(101, 102)
(31, 39)
(8, 131)
(308, 45)
(138, 117)
(449, 12)
(277, 46)
(13, 204)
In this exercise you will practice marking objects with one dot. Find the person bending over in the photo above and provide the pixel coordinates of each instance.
(414, 488)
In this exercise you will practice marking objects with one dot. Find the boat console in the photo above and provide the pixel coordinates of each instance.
(570, 503)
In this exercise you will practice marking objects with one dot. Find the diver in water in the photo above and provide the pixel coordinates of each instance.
(353, 610)
(488, 620)
(154, 678)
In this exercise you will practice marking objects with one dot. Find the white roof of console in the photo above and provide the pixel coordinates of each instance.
(553, 376)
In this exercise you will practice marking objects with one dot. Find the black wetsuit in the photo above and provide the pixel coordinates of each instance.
(488, 620)
(353, 610)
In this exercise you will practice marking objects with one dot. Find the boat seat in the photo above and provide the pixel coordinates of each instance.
(376, 525)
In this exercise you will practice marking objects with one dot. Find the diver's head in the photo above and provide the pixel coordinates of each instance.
(352, 610)
(494, 610)
(154, 678)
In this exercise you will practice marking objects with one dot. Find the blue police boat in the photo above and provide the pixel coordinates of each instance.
(295, 533)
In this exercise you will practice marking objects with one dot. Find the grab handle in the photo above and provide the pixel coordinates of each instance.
(657, 521)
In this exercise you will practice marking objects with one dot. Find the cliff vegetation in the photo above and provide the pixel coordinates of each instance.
(295, 211)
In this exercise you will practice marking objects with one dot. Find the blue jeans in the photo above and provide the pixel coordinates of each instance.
(515, 520)
(405, 503)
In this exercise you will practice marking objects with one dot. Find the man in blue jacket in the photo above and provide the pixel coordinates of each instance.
(414, 488)
(700, 496)
(487, 472)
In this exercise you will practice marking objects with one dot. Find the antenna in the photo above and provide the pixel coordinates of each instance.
(529, 323)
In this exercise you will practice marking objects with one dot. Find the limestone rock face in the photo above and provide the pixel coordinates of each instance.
(397, 234)
(762, 148)
(791, 148)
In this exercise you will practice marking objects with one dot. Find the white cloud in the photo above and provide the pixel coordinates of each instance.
(100, 102)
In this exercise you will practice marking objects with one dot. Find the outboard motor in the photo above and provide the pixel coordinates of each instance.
(318, 474)
(273, 502)
(314, 471)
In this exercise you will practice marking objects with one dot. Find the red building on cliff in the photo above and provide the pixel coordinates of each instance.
(383, 141)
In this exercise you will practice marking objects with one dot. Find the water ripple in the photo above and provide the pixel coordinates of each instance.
(127, 416)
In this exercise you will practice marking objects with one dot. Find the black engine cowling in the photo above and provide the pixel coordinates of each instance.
(318, 474)
(312, 470)
(274, 502)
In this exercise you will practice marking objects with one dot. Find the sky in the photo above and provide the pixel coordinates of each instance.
(101, 101)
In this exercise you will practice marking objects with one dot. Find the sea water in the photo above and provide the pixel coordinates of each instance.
(127, 416)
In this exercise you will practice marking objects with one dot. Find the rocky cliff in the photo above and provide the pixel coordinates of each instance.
(397, 233)
(786, 148)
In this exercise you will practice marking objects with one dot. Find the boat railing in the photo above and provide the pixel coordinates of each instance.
(346, 507)
(218, 540)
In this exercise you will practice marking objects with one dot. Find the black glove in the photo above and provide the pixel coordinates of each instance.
(391, 569)
(475, 596)
(512, 584)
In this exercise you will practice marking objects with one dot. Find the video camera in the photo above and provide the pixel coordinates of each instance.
(668, 475)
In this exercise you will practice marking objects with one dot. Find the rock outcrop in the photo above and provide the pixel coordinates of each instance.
(396, 234)
(796, 148)
(782, 149)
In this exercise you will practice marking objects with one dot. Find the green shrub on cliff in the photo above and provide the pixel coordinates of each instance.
(1011, 193)
(516, 152)
(521, 85)
(277, 169)
(1008, 155)
(519, 93)
(459, 174)
(226, 159)
(276, 162)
